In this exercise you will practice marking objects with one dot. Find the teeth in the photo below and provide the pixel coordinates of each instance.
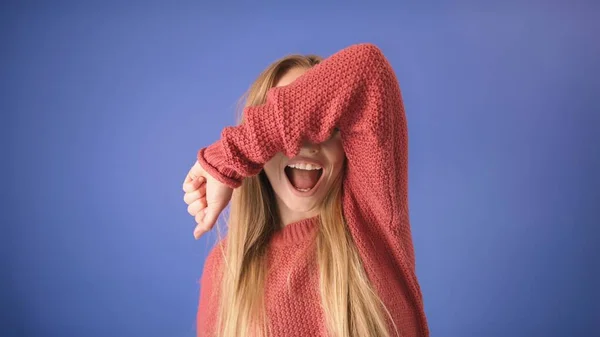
(303, 189)
(305, 166)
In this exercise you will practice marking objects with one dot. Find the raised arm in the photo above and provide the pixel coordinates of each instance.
(355, 90)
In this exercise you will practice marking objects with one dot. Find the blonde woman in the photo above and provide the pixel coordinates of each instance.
(319, 240)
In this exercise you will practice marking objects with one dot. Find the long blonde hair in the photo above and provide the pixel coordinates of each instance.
(349, 302)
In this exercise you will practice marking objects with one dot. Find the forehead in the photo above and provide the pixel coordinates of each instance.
(290, 76)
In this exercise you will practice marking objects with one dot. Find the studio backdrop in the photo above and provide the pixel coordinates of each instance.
(105, 104)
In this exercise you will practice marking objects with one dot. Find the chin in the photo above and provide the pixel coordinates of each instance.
(300, 207)
(302, 204)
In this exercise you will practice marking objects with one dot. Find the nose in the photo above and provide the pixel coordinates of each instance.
(310, 148)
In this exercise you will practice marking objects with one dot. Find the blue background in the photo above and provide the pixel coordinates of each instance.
(104, 105)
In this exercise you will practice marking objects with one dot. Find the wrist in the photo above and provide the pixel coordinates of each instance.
(214, 161)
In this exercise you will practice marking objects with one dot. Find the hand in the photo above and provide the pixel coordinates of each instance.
(206, 198)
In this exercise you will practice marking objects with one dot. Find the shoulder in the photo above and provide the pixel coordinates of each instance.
(214, 259)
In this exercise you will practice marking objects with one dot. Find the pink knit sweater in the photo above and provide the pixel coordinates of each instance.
(357, 91)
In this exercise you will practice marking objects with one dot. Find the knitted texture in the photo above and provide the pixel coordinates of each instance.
(355, 90)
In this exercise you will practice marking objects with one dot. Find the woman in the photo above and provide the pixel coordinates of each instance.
(319, 240)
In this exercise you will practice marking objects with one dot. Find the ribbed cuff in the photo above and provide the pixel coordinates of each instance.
(213, 160)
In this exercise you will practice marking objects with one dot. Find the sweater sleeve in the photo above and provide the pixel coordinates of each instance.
(355, 90)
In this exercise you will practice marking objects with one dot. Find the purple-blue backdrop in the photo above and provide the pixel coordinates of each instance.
(104, 106)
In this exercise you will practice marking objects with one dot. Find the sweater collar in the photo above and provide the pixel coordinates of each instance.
(295, 233)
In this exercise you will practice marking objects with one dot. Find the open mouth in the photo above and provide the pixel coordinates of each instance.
(303, 178)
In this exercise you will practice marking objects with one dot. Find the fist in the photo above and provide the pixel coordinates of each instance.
(206, 198)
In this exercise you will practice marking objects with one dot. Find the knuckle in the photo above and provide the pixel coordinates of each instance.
(190, 210)
(190, 197)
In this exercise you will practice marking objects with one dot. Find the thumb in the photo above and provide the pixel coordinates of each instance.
(211, 216)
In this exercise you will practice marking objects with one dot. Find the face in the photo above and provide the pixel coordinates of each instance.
(300, 188)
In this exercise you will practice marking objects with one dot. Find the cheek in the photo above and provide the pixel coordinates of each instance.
(335, 153)
(337, 149)
(271, 168)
